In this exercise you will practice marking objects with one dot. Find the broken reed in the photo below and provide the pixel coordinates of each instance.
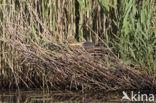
(128, 26)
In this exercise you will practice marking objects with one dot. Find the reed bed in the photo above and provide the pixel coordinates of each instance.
(72, 69)
(34, 37)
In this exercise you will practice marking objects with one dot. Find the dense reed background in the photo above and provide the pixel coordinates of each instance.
(126, 26)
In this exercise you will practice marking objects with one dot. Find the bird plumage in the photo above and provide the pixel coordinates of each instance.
(84, 44)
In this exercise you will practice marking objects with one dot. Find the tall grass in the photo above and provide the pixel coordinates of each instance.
(129, 26)
(134, 36)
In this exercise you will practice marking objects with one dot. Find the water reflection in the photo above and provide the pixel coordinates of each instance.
(49, 97)
(58, 97)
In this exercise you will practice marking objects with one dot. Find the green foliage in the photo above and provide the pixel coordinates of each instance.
(135, 38)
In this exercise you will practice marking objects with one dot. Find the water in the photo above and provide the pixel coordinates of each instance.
(38, 96)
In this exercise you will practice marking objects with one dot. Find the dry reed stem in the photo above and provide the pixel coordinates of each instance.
(76, 69)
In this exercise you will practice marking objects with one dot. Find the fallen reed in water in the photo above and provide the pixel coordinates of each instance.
(57, 66)
(32, 52)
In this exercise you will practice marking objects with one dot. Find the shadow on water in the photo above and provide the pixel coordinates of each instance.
(59, 97)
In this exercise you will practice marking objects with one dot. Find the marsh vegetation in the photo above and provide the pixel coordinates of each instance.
(34, 38)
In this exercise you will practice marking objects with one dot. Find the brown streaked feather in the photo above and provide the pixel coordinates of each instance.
(84, 44)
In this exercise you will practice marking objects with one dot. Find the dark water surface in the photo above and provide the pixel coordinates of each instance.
(38, 96)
